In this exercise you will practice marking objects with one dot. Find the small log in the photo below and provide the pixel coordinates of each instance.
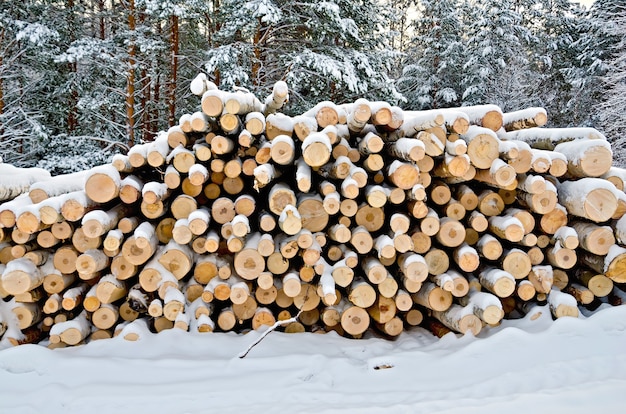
(105, 317)
(507, 228)
(91, 262)
(361, 293)
(433, 297)
(21, 275)
(542, 278)
(498, 281)
(482, 146)
(403, 175)
(177, 259)
(130, 189)
(487, 116)
(460, 319)
(46, 239)
(56, 282)
(407, 149)
(82, 243)
(362, 240)
(500, 175)
(128, 224)
(140, 247)
(600, 285)
(110, 289)
(593, 238)
(438, 261)
(342, 273)
(489, 247)
(477, 221)
(490, 203)
(541, 203)
(561, 257)
(374, 270)
(466, 196)
(562, 304)
(158, 150)
(451, 232)
(249, 263)
(485, 305)
(517, 263)
(582, 295)
(354, 320)
(466, 257)
(383, 310)
(72, 332)
(316, 149)
(552, 221)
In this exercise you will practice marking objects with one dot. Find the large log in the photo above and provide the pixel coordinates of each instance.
(587, 157)
(103, 183)
(591, 198)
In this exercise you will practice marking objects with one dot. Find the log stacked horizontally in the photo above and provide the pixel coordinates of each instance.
(352, 217)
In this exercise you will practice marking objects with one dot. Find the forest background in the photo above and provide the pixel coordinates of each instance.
(81, 80)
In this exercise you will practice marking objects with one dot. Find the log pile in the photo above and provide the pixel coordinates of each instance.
(355, 217)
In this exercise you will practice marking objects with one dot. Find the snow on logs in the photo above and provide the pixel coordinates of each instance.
(351, 217)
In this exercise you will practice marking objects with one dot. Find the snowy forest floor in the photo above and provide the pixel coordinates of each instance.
(539, 366)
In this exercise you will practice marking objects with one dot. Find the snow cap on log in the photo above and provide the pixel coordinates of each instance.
(525, 118)
(548, 138)
(15, 181)
(57, 185)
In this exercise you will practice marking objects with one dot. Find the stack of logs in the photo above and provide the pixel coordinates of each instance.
(348, 217)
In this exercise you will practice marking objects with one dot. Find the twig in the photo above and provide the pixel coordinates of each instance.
(276, 325)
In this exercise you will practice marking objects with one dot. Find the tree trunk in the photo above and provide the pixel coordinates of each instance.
(130, 74)
(72, 115)
(174, 45)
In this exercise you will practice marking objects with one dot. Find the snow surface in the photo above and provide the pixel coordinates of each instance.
(539, 366)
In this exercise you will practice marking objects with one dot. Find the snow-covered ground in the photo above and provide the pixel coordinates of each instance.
(524, 366)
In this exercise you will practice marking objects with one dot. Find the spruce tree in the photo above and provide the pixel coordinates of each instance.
(496, 68)
(611, 114)
(432, 76)
(324, 50)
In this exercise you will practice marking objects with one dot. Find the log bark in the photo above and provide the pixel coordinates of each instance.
(612, 265)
